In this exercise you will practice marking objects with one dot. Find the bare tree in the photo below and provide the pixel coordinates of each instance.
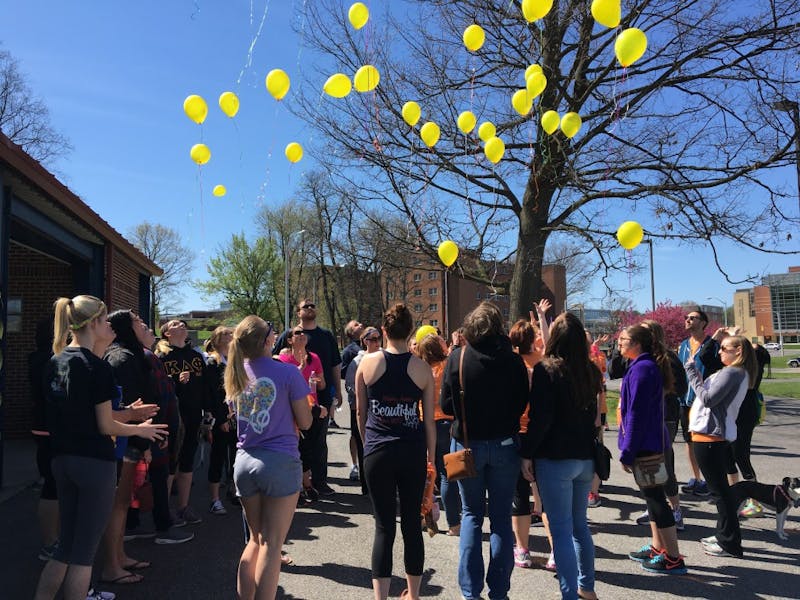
(24, 118)
(683, 141)
(164, 247)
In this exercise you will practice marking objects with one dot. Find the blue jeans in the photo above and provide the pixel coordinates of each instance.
(564, 486)
(448, 491)
(497, 463)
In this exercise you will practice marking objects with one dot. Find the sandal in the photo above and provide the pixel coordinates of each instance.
(286, 559)
(126, 579)
(137, 565)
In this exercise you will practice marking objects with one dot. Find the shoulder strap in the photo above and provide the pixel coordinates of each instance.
(461, 394)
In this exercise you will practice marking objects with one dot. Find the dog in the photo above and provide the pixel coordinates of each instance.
(781, 497)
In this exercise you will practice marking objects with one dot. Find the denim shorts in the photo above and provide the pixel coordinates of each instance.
(262, 471)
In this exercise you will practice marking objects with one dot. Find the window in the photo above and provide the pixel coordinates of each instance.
(418, 292)
(435, 322)
(433, 307)
(390, 296)
(478, 295)
(505, 312)
(418, 307)
(433, 291)
(432, 275)
(417, 276)
(418, 323)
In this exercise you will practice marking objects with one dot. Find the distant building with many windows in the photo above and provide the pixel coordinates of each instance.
(770, 311)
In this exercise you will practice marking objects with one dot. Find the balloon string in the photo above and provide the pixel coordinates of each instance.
(202, 211)
(249, 60)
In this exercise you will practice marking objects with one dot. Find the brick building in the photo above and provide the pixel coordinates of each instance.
(52, 244)
(770, 312)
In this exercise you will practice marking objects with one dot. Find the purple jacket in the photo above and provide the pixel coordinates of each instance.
(641, 401)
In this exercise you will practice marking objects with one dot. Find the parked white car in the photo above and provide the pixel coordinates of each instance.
(772, 346)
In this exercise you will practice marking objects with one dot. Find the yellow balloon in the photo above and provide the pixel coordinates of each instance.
(448, 252)
(550, 121)
(195, 108)
(219, 191)
(630, 235)
(338, 85)
(366, 79)
(200, 154)
(630, 46)
(486, 131)
(607, 12)
(534, 68)
(430, 133)
(293, 152)
(494, 149)
(466, 121)
(423, 331)
(278, 83)
(411, 113)
(358, 15)
(571, 124)
(474, 37)
(229, 103)
(522, 102)
(535, 84)
(533, 10)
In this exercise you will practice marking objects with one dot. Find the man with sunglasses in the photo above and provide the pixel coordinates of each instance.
(705, 351)
(322, 343)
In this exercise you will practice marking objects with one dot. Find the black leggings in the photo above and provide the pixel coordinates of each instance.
(740, 449)
(671, 487)
(223, 451)
(190, 417)
(657, 507)
(43, 458)
(396, 469)
(359, 448)
(712, 458)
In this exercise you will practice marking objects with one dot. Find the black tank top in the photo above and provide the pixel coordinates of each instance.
(393, 406)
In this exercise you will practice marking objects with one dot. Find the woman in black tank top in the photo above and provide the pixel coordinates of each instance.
(397, 444)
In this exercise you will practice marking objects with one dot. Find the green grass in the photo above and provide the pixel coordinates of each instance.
(612, 400)
(795, 374)
(782, 389)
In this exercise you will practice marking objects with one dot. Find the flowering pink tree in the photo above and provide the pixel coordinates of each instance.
(670, 316)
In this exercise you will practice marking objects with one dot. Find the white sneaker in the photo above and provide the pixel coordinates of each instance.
(217, 508)
(93, 594)
(712, 539)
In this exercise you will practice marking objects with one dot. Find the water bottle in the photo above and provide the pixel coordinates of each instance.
(312, 382)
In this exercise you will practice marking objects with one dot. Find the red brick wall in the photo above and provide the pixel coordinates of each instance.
(38, 280)
(122, 279)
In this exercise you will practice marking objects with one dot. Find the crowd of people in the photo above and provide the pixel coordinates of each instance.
(119, 422)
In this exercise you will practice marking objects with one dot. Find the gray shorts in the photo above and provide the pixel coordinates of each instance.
(262, 471)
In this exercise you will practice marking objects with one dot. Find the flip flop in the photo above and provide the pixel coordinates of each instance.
(130, 578)
(137, 565)
(286, 559)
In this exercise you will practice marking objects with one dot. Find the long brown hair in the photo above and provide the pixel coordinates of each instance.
(660, 354)
(249, 339)
(747, 359)
(522, 335)
(430, 349)
(212, 343)
(73, 314)
(567, 354)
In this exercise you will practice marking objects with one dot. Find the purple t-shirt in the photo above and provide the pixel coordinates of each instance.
(263, 411)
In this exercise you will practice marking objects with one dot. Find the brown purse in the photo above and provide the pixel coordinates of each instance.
(461, 464)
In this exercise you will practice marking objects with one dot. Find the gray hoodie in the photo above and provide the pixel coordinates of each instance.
(718, 399)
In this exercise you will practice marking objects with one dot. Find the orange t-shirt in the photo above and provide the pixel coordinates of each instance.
(438, 375)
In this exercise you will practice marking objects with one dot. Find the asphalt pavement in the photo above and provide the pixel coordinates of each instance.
(331, 542)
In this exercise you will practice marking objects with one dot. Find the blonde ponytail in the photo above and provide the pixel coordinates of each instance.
(73, 315)
(248, 341)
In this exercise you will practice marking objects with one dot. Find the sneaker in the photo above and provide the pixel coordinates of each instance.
(714, 549)
(679, 524)
(594, 500)
(643, 519)
(646, 552)
(752, 509)
(522, 558)
(689, 487)
(712, 539)
(354, 473)
(170, 536)
(550, 565)
(48, 552)
(325, 490)
(312, 494)
(93, 594)
(664, 565)
(176, 520)
(138, 533)
(188, 515)
(217, 508)
(333, 424)
(701, 489)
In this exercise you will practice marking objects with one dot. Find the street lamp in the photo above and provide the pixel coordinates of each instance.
(286, 310)
(652, 274)
(724, 307)
(791, 107)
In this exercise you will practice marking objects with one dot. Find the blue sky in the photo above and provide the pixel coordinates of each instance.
(114, 77)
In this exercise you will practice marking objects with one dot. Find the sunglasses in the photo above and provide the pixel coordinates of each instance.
(372, 339)
(291, 334)
(693, 318)
(309, 306)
